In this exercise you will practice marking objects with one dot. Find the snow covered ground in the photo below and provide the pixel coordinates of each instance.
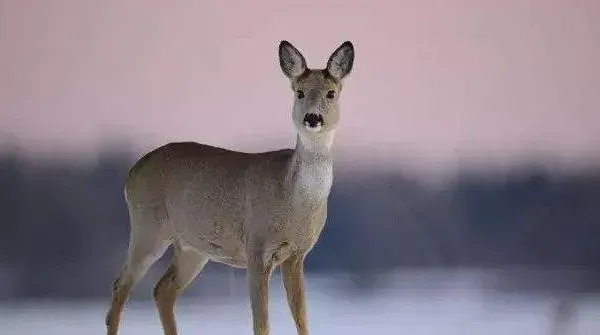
(455, 310)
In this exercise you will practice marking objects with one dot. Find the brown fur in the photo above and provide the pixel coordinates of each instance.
(246, 210)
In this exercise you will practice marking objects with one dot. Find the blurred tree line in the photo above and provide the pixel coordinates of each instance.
(64, 228)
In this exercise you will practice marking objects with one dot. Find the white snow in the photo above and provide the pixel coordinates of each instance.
(415, 311)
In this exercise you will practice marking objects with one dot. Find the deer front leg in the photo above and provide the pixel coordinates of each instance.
(259, 273)
(292, 271)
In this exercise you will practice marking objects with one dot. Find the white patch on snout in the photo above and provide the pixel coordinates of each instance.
(314, 129)
(314, 142)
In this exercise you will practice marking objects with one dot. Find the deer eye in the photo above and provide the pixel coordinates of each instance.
(331, 94)
(300, 94)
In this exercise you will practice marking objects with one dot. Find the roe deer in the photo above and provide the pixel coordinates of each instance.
(246, 210)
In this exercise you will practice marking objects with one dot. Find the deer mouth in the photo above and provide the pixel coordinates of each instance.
(313, 122)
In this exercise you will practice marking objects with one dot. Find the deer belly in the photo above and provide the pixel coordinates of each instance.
(229, 251)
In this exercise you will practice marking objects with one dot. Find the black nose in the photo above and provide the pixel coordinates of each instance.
(312, 120)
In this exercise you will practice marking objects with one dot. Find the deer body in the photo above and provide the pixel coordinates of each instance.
(245, 210)
(215, 200)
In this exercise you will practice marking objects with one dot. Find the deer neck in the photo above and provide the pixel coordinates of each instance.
(310, 172)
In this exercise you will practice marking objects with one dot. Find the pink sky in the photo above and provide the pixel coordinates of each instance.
(439, 80)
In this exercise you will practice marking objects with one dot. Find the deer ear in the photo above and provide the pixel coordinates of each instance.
(291, 60)
(341, 60)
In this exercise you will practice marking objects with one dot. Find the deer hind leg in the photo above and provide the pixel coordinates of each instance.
(133, 271)
(186, 265)
(145, 248)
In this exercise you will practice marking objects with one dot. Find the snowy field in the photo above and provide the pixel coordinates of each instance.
(450, 310)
